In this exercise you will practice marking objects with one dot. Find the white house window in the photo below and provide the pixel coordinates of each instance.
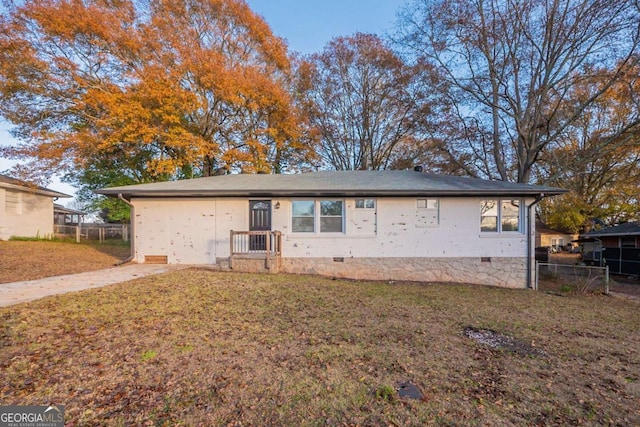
(427, 213)
(431, 204)
(13, 203)
(305, 218)
(365, 204)
(497, 216)
(489, 215)
(331, 214)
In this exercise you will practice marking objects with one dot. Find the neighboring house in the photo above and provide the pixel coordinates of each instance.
(25, 210)
(387, 225)
(625, 235)
(555, 239)
(66, 216)
(618, 246)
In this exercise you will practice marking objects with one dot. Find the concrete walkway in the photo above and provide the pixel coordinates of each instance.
(19, 292)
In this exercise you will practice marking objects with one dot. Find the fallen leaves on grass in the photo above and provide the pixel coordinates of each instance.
(205, 348)
(29, 260)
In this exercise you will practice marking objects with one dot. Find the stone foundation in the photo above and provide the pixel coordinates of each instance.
(504, 272)
(248, 264)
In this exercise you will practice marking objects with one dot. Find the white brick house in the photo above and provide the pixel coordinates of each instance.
(389, 225)
(25, 210)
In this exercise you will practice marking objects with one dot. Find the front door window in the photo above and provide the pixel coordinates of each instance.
(259, 220)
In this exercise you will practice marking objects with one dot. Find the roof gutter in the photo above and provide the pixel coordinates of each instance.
(530, 236)
(131, 239)
(36, 190)
(323, 193)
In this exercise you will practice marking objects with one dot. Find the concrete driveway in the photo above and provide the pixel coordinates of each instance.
(19, 292)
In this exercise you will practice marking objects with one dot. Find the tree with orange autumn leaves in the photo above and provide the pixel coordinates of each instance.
(598, 157)
(114, 92)
(157, 89)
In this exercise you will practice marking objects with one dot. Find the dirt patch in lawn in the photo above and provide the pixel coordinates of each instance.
(28, 260)
(206, 348)
(493, 339)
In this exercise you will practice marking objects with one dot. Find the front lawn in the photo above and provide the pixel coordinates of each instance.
(222, 349)
(35, 259)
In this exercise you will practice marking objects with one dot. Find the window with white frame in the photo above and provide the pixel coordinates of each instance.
(331, 214)
(362, 219)
(431, 204)
(324, 216)
(365, 204)
(498, 216)
(303, 216)
(427, 214)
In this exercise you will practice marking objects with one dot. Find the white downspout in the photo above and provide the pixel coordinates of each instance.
(131, 233)
(530, 236)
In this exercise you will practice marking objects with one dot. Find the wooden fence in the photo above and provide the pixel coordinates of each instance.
(95, 232)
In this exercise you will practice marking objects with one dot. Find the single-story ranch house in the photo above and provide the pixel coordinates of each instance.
(555, 239)
(388, 225)
(25, 210)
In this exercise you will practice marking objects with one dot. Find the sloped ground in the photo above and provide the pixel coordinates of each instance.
(28, 260)
(564, 282)
(222, 349)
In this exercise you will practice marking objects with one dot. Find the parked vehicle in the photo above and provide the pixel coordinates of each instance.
(542, 253)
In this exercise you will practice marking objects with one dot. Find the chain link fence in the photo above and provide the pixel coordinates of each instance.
(578, 278)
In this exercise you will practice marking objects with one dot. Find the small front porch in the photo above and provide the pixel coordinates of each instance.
(255, 251)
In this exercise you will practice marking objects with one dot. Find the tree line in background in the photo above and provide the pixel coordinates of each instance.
(538, 91)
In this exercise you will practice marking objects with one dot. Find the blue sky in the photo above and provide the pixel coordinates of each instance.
(306, 25)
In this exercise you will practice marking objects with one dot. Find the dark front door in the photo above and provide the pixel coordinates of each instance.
(259, 220)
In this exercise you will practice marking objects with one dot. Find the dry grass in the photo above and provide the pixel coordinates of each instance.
(28, 260)
(563, 279)
(222, 349)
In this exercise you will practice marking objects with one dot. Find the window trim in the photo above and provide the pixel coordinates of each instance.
(364, 203)
(423, 210)
(426, 203)
(321, 216)
(317, 217)
(499, 217)
(313, 231)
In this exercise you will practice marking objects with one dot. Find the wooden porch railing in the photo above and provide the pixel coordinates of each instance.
(256, 244)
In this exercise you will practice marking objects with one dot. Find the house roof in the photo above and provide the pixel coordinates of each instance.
(332, 183)
(65, 210)
(16, 184)
(626, 229)
(542, 228)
